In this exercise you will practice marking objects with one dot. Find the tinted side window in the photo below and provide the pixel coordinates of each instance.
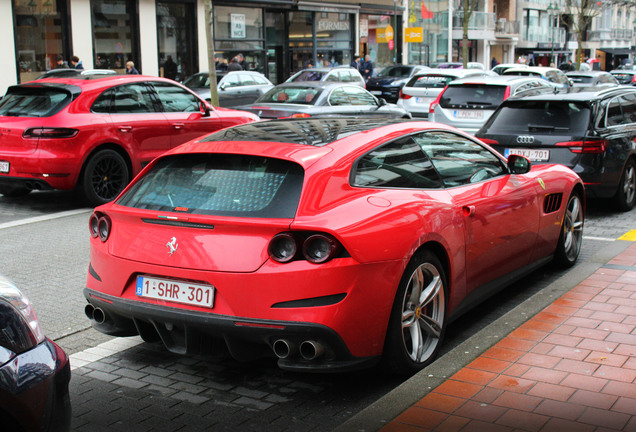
(359, 96)
(103, 102)
(459, 160)
(338, 97)
(399, 164)
(132, 98)
(629, 107)
(614, 115)
(176, 99)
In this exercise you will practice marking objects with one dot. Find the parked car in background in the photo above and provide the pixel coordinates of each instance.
(95, 133)
(343, 74)
(34, 371)
(234, 88)
(592, 78)
(330, 244)
(467, 103)
(70, 73)
(554, 76)
(423, 88)
(502, 67)
(388, 83)
(625, 76)
(589, 130)
(321, 99)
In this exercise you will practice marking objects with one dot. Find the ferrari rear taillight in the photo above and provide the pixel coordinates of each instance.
(50, 132)
(585, 147)
(433, 105)
(404, 96)
(99, 225)
(316, 248)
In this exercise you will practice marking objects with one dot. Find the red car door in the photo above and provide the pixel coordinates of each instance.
(183, 111)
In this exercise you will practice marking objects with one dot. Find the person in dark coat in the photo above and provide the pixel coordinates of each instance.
(130, 68)
(367, 67)
(170, 68)
(76, 63)
(234, 65)
(61, 63)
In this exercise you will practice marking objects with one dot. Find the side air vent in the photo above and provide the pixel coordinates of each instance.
(552, 203)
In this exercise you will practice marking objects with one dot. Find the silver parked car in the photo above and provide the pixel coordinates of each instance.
(556, 77)
(417, 95)
(468, 102)
(321, 99)
(592, 78)
(234, 88)
(342, 74)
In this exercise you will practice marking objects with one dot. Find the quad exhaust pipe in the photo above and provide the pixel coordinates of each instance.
(309, 349)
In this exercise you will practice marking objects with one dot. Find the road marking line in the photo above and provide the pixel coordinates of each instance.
(103, 350)
(599, 238)
(629, 236)
(43, 218)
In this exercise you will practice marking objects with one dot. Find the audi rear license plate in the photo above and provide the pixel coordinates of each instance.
(533, 155)
(175, 291)
(4, 167)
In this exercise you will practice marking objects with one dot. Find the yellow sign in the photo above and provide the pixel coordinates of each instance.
(388, 33)
(413, 34)
(384, 35)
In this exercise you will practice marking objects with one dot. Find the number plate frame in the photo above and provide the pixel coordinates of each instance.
(533, 155)
(175, 291)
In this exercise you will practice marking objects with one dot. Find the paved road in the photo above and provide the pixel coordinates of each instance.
(142, 387)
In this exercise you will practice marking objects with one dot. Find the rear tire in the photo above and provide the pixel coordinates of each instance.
(625, 197)
(418, 317)
(571, 237)
(105, 176)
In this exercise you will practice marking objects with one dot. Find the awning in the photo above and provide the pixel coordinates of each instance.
(555, 52)
(617, 51)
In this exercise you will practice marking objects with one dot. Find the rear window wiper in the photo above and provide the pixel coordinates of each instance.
(545, 127)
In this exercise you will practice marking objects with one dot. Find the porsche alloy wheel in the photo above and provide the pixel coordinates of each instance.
(571, 237)
(105, 176)
(418, 318)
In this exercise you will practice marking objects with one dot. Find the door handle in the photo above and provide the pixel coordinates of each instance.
(125, 129)
(469, 211)
(178, 125)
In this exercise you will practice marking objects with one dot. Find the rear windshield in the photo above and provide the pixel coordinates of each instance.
(395, 72)
(431, 81)
(547, 117)
(294, 95)
(219, 184)
(473, 95)
(33, 101)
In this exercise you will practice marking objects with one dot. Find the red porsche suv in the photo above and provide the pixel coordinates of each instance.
(95, 133)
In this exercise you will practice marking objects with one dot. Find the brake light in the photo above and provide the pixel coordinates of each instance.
(634, 79)
(300, 115)
(585, 147)
(404, 96)
(507, 93)
(433, 105)
(315, 248)
(50, 132)
(489, 141)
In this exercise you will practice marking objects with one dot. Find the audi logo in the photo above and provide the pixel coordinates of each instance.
(525, 139)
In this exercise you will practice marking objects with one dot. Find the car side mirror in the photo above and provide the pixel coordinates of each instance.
(518, 164)
(205, 109)
(381, 102)
(222, 86)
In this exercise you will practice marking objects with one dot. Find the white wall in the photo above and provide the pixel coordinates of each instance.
(148, 37)
(8, 75)
(81, 32)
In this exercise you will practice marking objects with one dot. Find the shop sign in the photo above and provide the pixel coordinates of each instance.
(237, 23)
(413, 34)
(364, 28)
(384, 35)
(331, 25)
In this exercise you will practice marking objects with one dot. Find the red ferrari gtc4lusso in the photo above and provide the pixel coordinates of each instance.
(329, 243)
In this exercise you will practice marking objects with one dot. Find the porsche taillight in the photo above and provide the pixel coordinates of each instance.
(50, 132)
(585, 147)
(99, 225)
(317, 248)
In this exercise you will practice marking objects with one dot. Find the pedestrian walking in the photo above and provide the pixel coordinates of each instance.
(130, 68)
(76, 63)
(367, 67)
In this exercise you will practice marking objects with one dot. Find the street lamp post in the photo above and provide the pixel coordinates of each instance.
(552, 11)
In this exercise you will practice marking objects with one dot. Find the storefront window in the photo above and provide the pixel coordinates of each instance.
(377, 44)
(333, 37)
(175, 36)
(240, 31)
(301, 31)
(115, 34)
(431, 16)
(40, 36)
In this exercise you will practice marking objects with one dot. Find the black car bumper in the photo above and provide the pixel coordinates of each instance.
(191, 332)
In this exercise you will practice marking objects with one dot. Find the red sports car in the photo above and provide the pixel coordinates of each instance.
(97, 132)
(329, 243)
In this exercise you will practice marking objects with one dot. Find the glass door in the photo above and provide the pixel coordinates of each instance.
(175, 37)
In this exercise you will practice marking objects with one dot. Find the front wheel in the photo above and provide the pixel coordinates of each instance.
(418, 318)
(571, 236)
(105, 176)
(625, 197)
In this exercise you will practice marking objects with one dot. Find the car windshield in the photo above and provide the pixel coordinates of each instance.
(34, 101)
(473, 95)
(395, 72)
(432, 81)
(540, 117)
(219, 184)
(291, 95)
(308, 75)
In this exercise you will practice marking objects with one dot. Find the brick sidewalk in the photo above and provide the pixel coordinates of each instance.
(572, 367)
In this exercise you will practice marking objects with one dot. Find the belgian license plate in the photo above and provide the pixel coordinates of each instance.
(534, 155)
(4, 167)
(175, 291)
(376, 92)
(469, 114)
(423, 100)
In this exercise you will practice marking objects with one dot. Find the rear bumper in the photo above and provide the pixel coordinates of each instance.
(193, 332)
